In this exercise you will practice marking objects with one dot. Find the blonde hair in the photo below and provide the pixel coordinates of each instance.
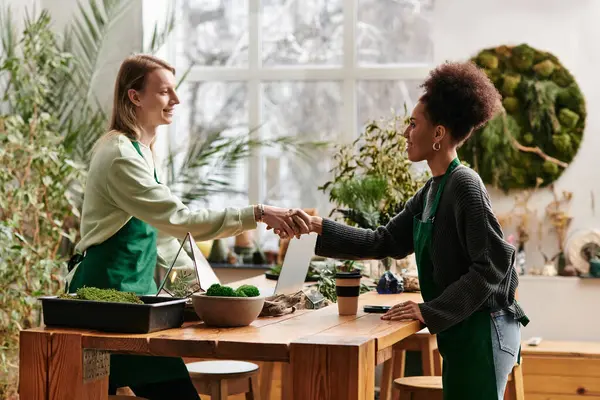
(132, 75)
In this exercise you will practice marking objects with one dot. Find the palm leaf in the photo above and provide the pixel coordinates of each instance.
(212, 159)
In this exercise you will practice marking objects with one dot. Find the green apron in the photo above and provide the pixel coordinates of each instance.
(126, 262)
(468, 367)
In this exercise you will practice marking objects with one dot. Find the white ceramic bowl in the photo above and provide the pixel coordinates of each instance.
(221, 311)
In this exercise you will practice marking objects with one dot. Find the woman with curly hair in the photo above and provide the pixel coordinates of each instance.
(466, 271)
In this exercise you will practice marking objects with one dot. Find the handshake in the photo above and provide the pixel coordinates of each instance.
(287, 223)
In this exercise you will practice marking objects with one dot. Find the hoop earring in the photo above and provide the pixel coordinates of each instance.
(437, 146)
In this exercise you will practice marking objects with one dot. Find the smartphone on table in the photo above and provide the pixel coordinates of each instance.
(377, 309)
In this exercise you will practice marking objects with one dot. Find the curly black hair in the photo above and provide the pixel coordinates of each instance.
(459, 96)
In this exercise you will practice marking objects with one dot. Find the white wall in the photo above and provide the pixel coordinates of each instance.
(558, 307)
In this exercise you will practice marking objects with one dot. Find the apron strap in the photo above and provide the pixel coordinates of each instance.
(137, 148)
(74, 260)
(455, 163)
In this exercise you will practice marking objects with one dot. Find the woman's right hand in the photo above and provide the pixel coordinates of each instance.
(287, 222)
(315, 225)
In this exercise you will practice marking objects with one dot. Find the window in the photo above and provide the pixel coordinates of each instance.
(313, 69)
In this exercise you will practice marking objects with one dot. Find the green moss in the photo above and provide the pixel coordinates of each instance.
(522, 57)
(248, 291)
(108, 295)
(551, 168)
(217, 290)
(510, 84)
(544, 69)
(563, 143)
(562, 77)
(568, 118)
(494, 75)
(518, 175)
(536, 88)
(571, 98)
(511, 104)
(488, 60)
(539, 56)
(226, 291)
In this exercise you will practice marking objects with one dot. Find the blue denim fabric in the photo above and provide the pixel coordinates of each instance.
(506, 339)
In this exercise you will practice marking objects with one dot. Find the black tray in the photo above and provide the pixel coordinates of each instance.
(157, 313)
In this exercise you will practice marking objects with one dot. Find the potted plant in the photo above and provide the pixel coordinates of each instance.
(372, 177)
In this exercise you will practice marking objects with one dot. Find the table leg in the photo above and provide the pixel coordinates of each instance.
(66, 371)
(428, 356)
(34, 348)
(385, 386)
(266, 379)
(333, 368)
(286, 382)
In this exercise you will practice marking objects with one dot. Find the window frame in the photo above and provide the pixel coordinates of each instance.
(350, 73)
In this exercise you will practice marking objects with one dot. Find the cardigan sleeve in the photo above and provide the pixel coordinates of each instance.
(392, 240)
(133, 189)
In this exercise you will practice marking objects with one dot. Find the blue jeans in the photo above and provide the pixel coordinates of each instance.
(506, 341)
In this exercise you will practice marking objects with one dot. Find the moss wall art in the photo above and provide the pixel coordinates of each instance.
(540, 130)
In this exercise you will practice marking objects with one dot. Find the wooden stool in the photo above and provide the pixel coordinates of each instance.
(430, 387)
(514, 386)
(221, 378)
(393, 368)
(419, 388)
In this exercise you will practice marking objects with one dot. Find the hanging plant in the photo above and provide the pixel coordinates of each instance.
(539, 131)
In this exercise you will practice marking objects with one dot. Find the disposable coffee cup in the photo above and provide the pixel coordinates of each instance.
(347, 288)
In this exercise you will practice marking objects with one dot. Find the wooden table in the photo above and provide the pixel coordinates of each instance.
(330, 356)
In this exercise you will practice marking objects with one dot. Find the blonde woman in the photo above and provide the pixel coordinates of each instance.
(125, 205)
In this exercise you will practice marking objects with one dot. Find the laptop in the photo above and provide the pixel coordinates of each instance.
(295, 266)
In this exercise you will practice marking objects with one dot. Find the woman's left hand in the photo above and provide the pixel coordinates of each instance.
(401, 311)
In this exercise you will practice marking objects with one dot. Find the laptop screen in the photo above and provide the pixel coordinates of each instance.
(295, 264)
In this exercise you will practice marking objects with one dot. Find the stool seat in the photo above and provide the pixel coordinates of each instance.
(432, 383)
(220, 368)
(121, 397)
(221, 378)
(419, 388)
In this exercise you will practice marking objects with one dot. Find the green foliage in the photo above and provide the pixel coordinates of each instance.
(225, 291)
(372, 180)
(210, 157)
(217, 290)
(362, 197)
(545, 108)
(247, 291)
(184, 284)
(97, 294)
(37, 176)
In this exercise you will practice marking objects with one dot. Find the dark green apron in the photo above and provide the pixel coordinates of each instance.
(126, 262)
(468, 367)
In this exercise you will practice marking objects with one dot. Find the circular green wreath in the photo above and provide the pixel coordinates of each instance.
(540, 129)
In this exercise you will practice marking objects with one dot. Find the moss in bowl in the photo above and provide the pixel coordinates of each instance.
(223, 306)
